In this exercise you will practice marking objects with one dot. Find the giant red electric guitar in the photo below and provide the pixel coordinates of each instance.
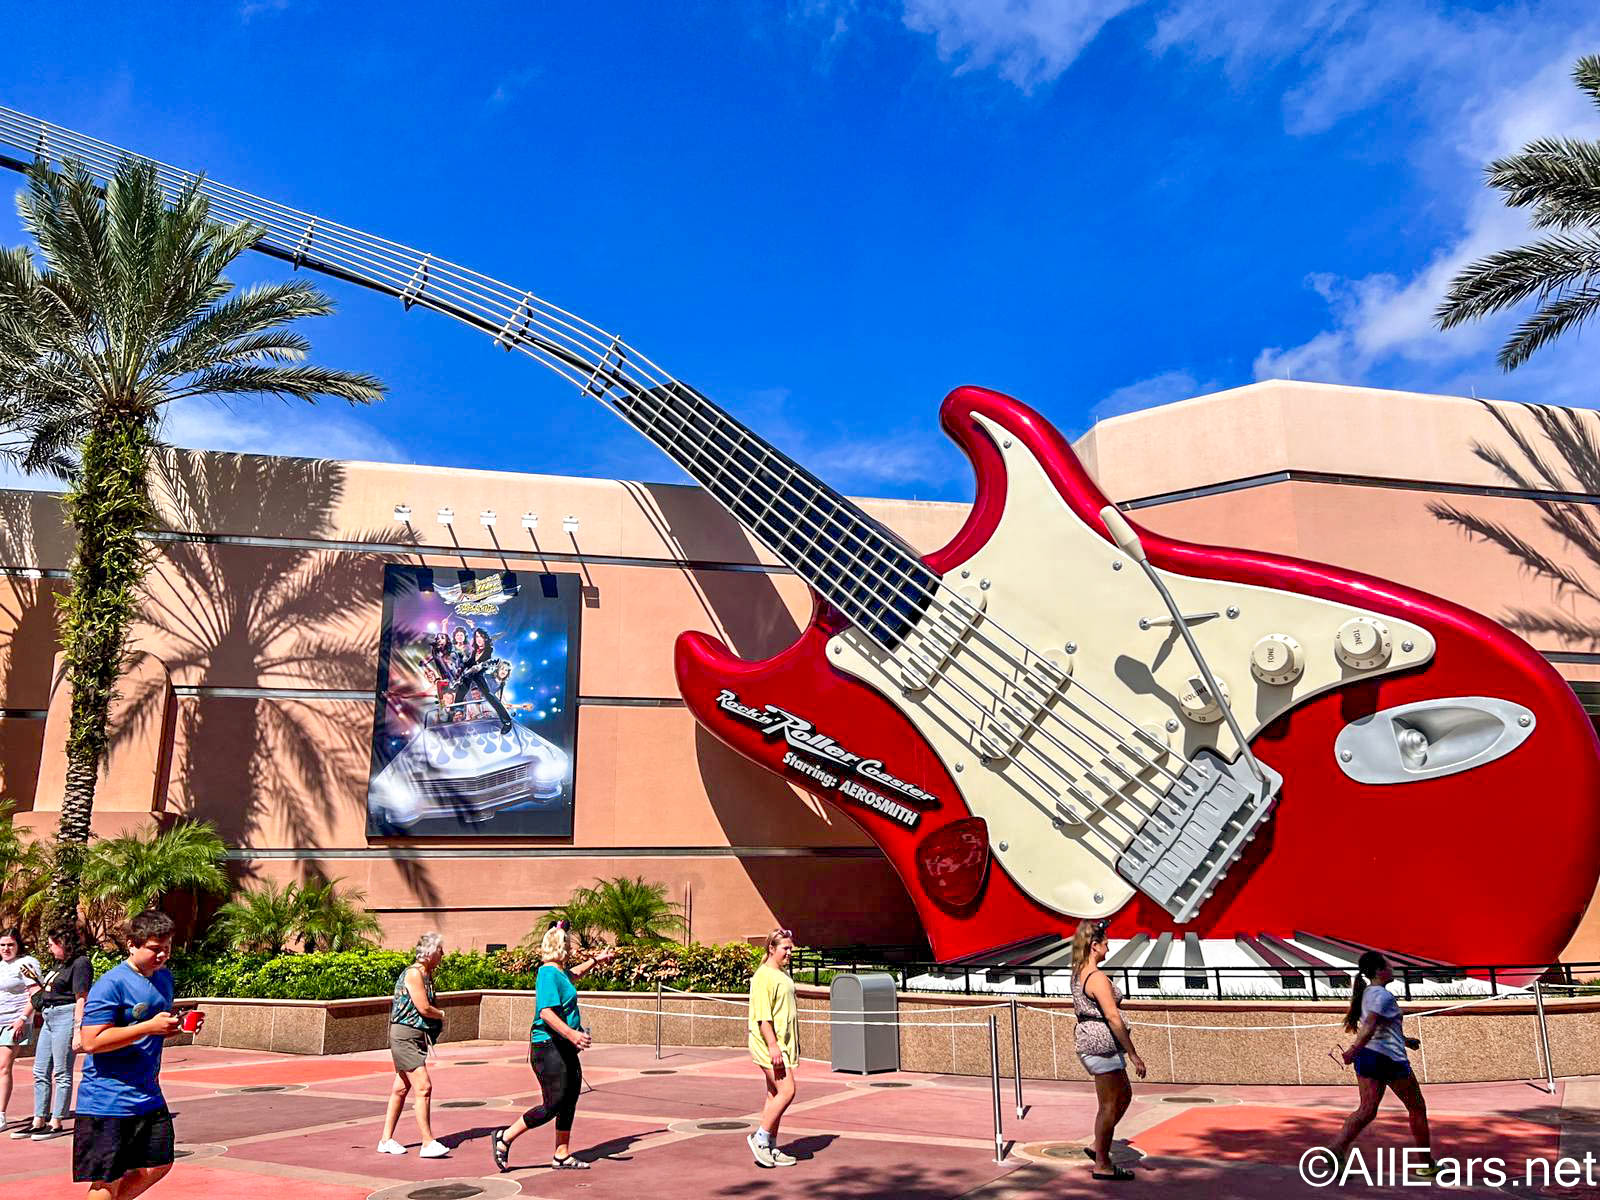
(1056, 716)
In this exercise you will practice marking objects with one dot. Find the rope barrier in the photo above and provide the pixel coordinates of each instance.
(650, 1012)
(858, 1012)
(1509, 993)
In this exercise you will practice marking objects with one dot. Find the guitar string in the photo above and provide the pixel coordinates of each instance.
(1063, 810)
(611, 370)
(799, 516)
(329, 232)
(255, 209)
(734, 502)
(877, 551)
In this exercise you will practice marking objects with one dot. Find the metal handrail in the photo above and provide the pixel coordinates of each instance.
(817, 961)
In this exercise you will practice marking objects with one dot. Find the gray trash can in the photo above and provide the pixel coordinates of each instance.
(862, 1011)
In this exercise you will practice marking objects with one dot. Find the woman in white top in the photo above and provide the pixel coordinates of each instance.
(1379, 1057)
(19, 979)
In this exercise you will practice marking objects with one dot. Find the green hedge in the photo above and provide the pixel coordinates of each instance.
(352, 973)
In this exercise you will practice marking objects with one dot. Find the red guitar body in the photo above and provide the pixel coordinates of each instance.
(1493, 864)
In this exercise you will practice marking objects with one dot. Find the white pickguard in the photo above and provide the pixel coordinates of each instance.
(1052, 582)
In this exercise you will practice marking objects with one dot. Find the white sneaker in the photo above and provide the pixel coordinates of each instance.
(780, 1159)
(763, 1154)
(433, 1149)
(390, 1146)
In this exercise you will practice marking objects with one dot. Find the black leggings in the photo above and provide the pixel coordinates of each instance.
(555, 1066)
(473, 677)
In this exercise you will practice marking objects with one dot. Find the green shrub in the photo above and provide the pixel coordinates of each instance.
(348, 974)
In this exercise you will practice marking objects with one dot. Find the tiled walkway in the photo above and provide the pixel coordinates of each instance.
(311, 1135)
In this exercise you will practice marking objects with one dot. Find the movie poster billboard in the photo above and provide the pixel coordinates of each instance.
(475, 731)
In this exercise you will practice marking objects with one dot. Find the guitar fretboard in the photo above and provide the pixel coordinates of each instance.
(852, 561)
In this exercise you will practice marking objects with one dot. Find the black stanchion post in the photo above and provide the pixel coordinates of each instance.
(1016, 1055)
(994, 1079)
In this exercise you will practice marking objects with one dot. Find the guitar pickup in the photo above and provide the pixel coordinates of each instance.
(1021, 705)
(1197, 831)
(927, 650)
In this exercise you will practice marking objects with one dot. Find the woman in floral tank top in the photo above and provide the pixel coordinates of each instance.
(1104, 1045)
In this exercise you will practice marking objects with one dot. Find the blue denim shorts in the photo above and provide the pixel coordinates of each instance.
(1103, 1064)
(7, 1038)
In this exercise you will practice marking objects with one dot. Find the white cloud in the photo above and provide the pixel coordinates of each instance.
(269, 426)
(507, 89)
(1382, 321)
(1165, 388)
(1030, 42)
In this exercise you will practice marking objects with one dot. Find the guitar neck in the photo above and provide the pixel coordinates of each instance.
(851, 560)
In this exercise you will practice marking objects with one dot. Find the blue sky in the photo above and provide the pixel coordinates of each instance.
(825, 214)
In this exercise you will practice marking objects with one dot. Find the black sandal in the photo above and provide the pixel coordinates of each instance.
(1118, 1175)
(502, 1150)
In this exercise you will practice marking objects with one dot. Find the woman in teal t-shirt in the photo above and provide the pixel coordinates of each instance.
(555, 1040)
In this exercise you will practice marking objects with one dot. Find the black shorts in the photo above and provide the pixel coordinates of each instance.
(107, 1148)
(1375, 1064)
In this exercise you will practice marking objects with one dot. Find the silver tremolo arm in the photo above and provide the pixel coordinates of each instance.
(1128, 541)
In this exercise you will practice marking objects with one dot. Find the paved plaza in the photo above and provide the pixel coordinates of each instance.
(252, 1124)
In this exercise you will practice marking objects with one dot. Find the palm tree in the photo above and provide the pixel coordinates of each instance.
(335, 920)
(128, 874)
(129, 312)
(24, 874)
(1560, 179)
(261, 920)
(630, 910)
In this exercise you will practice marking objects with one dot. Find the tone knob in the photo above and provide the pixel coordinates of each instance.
(1277, 659)
(1362, 643)
(1197, 702)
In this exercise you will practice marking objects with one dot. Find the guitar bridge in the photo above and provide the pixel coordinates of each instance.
(1197, 832)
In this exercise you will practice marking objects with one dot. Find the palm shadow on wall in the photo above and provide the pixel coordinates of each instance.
(1573, 438)
(27, 633)
(746, 611)
(273, 617)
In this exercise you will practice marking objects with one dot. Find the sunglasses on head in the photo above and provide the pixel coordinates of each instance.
(783, 933)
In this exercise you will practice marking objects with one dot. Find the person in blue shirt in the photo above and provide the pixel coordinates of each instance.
(122, 1139)
(555, 1039)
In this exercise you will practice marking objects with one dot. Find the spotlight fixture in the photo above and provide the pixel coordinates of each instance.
(402, 513)
(569, 524)
(530, 521)
(447, 516)
(425, 580)
(487, 518)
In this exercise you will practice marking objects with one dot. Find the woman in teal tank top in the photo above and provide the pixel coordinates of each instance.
(415, 1023)
(554, 1040)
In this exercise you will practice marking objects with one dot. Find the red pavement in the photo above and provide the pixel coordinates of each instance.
(644, 1132)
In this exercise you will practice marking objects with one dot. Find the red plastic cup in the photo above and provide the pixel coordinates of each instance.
(190, 1021)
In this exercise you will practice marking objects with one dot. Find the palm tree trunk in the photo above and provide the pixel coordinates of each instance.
(109, 508)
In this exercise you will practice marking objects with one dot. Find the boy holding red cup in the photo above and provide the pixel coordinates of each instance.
(122, 1140)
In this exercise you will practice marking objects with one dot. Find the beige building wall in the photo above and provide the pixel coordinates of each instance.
(251, 702)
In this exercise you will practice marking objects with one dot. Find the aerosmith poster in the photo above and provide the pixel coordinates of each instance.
(476, 714)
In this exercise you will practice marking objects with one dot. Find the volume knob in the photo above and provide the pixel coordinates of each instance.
(1277, 659)
(1197, 702)
(1362, 643)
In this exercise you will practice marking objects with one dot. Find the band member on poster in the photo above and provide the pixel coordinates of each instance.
(459, 651)
(438, 665)
(474, 675)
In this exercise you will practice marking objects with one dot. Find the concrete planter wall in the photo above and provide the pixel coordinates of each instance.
(1181, 1041)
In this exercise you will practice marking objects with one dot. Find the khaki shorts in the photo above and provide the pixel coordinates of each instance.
(408, 1046)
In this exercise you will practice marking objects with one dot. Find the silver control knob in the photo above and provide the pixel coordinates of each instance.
(1197, 702)
(1362, 643)
(1277, 659)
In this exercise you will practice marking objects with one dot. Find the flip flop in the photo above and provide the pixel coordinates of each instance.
(1120, 1175)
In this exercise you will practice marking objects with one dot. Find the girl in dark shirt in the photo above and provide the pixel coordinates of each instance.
(65, 990)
